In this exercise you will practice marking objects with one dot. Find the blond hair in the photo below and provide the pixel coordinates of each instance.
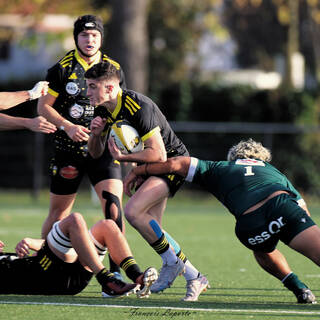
(249, 149)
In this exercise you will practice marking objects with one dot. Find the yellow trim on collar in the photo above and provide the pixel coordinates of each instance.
(118, 106)
(53, 93)
(84, 63)
(150, 133)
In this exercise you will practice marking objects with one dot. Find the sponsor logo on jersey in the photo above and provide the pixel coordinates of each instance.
(273, 228)
(69, 172)
(72, 88)
(76, 111)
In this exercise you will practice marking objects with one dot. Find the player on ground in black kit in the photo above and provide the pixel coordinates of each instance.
(145, 209)
(66, 261)
(68, 107)
(266, 206)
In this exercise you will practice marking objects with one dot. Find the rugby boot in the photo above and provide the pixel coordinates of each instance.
(167, 276)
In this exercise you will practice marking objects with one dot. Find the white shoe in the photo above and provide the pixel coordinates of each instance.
(150, 276)
(167, 275)
(195, 287)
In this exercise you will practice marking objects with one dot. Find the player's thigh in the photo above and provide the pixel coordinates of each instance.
(150, 198)
(307, 242)
(61, 205)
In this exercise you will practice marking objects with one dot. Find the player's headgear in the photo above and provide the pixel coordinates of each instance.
(87, 22)
(249, 149)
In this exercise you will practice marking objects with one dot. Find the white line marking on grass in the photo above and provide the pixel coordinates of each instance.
(164, 308)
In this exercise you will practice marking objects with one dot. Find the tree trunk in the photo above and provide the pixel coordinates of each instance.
(127, 41)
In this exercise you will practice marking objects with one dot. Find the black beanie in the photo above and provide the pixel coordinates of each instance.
(87, 22)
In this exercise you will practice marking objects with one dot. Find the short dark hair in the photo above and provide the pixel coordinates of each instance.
(103, 70)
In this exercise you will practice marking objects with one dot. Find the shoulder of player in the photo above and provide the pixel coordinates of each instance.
(106, 58)
(137, 99)
(63, 62)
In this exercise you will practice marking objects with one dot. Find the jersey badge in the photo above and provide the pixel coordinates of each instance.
(72, 88)
(76, 111)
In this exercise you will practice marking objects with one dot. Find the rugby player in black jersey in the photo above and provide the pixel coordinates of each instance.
(65, 262)
(68, 107)
(145, 209)
(265, 204)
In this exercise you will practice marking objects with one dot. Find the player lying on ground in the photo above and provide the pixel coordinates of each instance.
(66, 261)
(266, 206)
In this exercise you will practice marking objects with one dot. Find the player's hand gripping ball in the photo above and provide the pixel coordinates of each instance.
(126, 137)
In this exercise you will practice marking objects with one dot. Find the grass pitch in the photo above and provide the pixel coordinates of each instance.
(205, 231)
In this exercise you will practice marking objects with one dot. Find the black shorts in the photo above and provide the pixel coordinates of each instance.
(43, 274)
(68, 169)
(280, 218)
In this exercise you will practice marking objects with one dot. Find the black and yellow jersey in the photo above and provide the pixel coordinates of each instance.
(239, 184)
(146, 117)
(67, 84)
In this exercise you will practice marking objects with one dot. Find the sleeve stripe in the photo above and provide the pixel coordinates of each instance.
(53, 93)
(150, 133)
(192, 169)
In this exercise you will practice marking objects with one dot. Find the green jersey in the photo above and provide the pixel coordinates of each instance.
(239, 184)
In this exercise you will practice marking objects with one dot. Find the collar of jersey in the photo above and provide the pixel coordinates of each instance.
(118, 106)
(84, 64)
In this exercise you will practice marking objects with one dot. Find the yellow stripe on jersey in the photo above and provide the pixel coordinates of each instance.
(106, 58)
(118, 106)
(53, 93)
(45, 262)
(84, 64)
(150, 133)
(65, 60)
(131, 105)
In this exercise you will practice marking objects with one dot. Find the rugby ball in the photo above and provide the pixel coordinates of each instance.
(126, 137)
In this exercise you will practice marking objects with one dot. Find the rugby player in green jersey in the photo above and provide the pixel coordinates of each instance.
(145, 210)
(266, 206)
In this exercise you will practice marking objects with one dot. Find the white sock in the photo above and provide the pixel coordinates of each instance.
(190, 271)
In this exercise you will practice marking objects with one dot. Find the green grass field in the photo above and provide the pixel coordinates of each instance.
(239, 288)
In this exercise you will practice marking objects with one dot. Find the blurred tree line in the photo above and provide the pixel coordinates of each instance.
(157, 44)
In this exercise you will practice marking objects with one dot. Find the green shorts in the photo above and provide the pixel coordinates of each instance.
(281, 218)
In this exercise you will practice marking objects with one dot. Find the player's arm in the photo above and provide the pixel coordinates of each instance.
(97, 141)
(37, 124)
(11, 99)
(25, 245)
(75, 132)
(154, 150)
(176, 165)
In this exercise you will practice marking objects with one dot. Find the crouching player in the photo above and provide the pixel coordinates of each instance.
(266, 206)
(65, 262)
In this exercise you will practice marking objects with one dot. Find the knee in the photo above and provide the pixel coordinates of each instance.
(75, 219)
(130, 214)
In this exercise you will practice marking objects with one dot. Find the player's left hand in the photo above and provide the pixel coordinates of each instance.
(39, 90)
(40, 124)
(115, 151)
(129, 183)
